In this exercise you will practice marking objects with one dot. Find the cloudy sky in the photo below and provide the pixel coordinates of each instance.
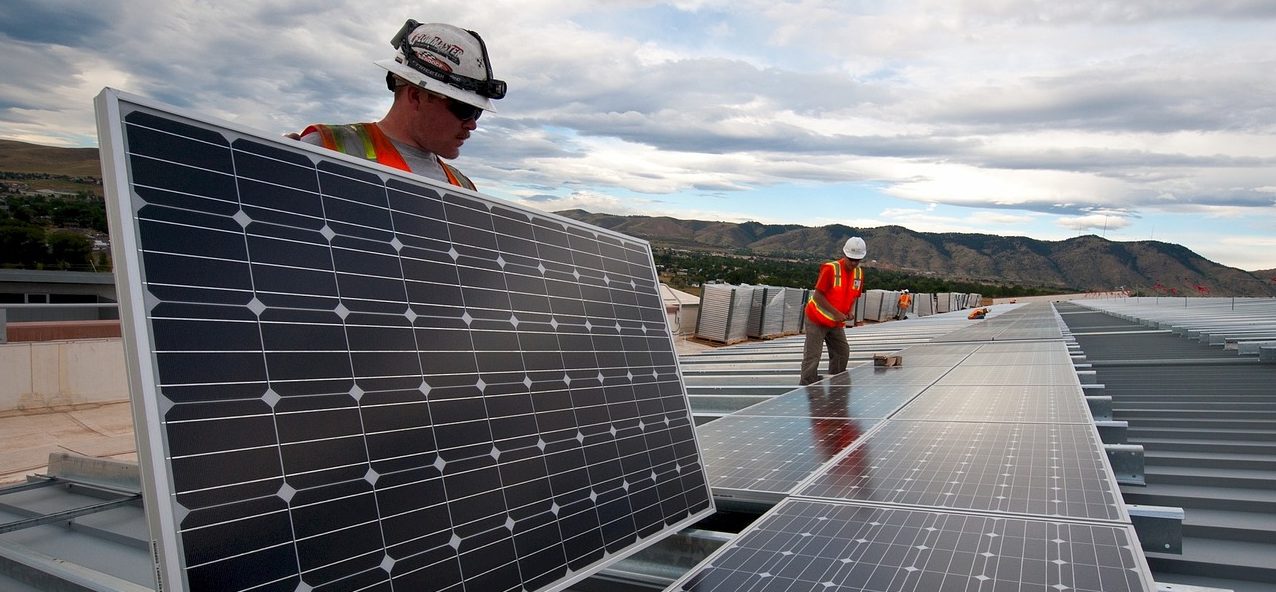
(1133, 120)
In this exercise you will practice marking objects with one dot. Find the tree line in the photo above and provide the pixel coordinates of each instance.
(52, 231)
(688, 270)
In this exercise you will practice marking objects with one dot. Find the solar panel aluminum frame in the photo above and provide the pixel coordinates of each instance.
(163, 518)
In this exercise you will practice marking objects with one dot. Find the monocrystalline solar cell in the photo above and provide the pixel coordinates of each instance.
(906, 374)
(1051, 470)
(347, 377)
(818, 545)
(838, 397)
(1025, 346)
(764, 458)
(1011, 403)
(1028, 358)
(1052, 375)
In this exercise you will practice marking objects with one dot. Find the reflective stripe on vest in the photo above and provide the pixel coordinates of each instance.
(840, 292)
(366, 140)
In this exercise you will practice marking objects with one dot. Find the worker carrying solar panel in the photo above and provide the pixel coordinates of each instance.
(840, 282)
(905, 301)
(442, 82)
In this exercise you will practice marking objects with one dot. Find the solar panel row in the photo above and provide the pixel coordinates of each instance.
(971, 475)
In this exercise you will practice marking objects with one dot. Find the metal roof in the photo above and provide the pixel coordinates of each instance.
(107, 550)
(1206, 418)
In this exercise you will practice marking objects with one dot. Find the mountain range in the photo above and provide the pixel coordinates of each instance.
(1083, 263)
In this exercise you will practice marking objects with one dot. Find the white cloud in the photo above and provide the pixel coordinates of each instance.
(1014, 110)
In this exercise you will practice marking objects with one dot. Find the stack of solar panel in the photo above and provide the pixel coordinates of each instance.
(724, 313)
(766, 311)
(794, 310)
(880, 305)
(944, 302)
(923, 304)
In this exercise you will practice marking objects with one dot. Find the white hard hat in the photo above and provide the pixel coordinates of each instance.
(446, 60)
(855, 248)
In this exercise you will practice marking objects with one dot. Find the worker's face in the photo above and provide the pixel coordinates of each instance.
(852, 263)
(436, 128)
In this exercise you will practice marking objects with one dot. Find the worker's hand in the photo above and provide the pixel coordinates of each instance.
(292, 136)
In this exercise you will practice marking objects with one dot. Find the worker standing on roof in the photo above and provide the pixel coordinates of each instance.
(905, 300)
(839, 284)
(442, 82)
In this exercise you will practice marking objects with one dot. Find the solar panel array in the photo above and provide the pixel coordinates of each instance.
(823, 545)
(351, 378)
(980, 470)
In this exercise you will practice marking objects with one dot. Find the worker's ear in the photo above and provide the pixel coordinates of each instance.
(417, 97)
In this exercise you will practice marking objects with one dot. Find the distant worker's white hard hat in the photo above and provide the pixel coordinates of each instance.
(855, 248)
(446, 60)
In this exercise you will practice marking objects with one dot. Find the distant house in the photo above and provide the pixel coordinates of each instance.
(681, 310)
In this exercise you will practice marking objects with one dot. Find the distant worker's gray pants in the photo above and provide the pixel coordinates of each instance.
(817, 336)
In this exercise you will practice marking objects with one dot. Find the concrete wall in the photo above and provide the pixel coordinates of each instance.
(39, 375)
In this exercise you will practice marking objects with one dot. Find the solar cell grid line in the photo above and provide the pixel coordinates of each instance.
(346, 377)
(838, 396)
(1055, 346)
(803, 544)
(1004, 403)
(1048, 375)
(762, 459)
(1048, 470)
(1017, 358)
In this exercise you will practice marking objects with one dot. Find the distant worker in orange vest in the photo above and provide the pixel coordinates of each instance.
(442, 82)
(905, 300)
(839, 284)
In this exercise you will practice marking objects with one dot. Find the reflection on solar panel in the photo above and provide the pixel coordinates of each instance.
(813, 545)
(1024, 404)
(1039, 469)
(350, 378)
(762, 458)
(838, 396)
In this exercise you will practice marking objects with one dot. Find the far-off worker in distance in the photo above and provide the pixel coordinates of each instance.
(839, 284)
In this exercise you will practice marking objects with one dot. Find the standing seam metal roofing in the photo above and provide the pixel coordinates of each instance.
(1206, 417)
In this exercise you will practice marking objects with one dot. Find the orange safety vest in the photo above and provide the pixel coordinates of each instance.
(841, 293)
(366, 140)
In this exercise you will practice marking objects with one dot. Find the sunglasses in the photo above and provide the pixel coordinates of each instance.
(463, 111)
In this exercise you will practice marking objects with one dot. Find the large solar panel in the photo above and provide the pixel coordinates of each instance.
(819, 545)
(1051, 470)
(350, 378)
